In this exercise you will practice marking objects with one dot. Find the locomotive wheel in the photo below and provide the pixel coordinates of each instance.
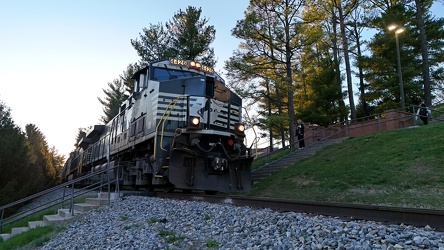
(210, 192)
(168, 188)
(187, 191)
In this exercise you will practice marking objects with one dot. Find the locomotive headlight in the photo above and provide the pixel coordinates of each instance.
(195, 65)
(195, 121)
(240, 128)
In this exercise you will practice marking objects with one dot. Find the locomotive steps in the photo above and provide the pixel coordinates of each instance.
(65, 214)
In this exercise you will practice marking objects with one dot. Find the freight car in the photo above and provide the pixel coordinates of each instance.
(180, 129)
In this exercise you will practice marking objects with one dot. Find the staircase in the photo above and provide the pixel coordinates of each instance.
(65, 214)
(290, 159)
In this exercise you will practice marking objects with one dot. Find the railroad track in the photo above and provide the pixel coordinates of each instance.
(348, 212)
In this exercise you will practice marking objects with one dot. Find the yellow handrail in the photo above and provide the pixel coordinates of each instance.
(162, 120)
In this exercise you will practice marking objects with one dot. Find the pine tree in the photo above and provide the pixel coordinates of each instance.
(186, 36)
(114, 96)
(41, 158)
(13, 157)
(80, 135)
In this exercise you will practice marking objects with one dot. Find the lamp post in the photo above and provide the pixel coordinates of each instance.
(398, 29)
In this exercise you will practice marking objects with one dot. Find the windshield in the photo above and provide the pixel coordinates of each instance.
(167, 74)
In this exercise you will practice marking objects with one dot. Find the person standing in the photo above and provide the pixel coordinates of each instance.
(423, 113)
(300, 131)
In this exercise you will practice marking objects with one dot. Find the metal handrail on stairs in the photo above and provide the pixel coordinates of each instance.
(59, 200)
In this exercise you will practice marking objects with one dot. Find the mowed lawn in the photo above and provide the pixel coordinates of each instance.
(403, 167)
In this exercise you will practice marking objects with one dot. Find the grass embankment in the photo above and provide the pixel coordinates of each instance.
(397, 168)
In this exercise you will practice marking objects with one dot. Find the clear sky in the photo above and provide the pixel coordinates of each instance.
(57, 56)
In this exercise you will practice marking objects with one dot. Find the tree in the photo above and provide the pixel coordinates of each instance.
(118, 91)
(344, 8)
(270, 47)
(41, 159)
(114, 96)
(420, 5)
(358, 21)
(155, 43)
(191, 36)
(80, 135)
(186, 36)
(381, 67)
(13, 157)
(26, 164)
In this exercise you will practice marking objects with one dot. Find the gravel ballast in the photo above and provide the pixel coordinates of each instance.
(138, 222)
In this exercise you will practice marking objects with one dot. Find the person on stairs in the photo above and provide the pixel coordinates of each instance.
(423, 113)
(300, 131)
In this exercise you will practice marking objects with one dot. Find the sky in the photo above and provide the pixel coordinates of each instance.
(56, 57)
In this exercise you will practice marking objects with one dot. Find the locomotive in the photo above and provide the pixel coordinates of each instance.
(180, 129)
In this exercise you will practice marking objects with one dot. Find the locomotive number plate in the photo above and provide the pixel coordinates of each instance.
(179, 62)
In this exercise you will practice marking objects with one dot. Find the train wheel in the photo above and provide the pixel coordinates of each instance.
(187, 191)
(210, 192)
(168, 188)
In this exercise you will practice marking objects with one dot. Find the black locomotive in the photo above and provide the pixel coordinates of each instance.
(181, 128)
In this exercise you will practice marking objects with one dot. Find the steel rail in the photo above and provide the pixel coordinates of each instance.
(384, 214)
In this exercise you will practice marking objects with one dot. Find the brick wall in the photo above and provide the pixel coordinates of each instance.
(389, 120)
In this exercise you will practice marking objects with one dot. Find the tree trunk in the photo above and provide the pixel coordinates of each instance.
(361, 77)
(424, 54)
(288, 56)
(270, 128)
(343, 115)
(347, 64)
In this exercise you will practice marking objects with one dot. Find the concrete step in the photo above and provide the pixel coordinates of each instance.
(18, 230)
(52, 219)
(84, 207)
(5, 236)
(105, 195)
(64, 214)
(35, 224)
(97, 201)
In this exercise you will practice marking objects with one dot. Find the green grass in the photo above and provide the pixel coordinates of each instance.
(398, 168)
(170, 236)
(32, 239)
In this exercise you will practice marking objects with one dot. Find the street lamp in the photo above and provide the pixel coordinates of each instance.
(398, 29)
